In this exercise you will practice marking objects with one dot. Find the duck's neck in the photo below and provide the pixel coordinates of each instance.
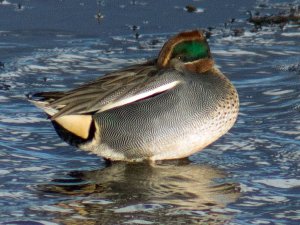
(200, 66)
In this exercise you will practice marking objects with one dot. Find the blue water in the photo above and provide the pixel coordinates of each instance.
(249, 176)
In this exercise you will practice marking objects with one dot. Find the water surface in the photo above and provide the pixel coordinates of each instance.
(249, 176)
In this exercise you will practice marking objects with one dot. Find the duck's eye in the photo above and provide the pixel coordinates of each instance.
(183, 58)
(189, 51)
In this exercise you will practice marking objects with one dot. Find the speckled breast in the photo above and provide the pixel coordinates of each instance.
(171, 125)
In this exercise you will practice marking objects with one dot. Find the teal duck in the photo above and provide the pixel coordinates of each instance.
(167, 108)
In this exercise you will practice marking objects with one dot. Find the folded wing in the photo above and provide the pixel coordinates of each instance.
(113, 90)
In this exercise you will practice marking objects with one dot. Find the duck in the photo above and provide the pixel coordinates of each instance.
(163, 109)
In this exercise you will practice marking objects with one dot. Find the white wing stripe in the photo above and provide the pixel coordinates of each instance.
(139, 96)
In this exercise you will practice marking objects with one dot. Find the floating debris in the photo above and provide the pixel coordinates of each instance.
(135, 2)
(133, 27)
(99, 17)
(101, 3)
(137, 35)
(228, 22)
(291, 68)
(291, 15)
(19, 7)
(237, 32)
(191, 8)
(208, 33)
(277, 19)
(262, 5)
(154, 42)
(4, 87)
(297, 107)
(257, 20)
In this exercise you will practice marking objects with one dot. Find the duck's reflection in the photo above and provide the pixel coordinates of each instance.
(163, 193)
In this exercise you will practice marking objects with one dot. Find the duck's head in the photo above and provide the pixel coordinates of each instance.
(190, 49)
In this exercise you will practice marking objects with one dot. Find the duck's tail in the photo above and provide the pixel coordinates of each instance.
(42, 100)
(80, 125)
(44, 106)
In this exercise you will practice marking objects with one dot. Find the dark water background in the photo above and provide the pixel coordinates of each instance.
(249, 176)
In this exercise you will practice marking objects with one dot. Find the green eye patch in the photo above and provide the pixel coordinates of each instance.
(189, 51)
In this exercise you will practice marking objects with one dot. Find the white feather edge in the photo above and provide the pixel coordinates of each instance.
(43, 105)
(51, 111)
(137, 97)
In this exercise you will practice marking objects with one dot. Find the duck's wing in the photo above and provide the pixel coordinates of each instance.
(113, 90)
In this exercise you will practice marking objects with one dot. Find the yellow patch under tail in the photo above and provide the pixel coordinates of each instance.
(76, 124)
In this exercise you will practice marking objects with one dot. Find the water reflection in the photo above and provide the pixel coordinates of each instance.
(176, 191)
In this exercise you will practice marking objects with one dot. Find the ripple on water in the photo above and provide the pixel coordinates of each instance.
(280, 183)
(145, 192)
(261, 153)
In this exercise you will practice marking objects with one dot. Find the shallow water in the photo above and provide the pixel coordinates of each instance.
(249, 176)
